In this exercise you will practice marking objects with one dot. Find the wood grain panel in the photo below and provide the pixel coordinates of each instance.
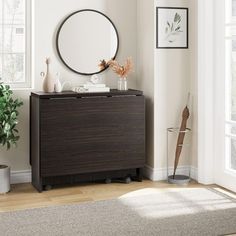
(35, 142)
(81, 135)
(85, 137)
(69, 94)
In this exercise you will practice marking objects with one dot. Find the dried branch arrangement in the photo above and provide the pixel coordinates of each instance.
(121, 70)
(102, 65)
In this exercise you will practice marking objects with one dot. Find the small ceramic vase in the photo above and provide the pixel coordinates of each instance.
(48, 82)
(58, 85)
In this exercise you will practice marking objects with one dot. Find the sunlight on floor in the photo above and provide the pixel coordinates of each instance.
(226, 192)
(163, 203)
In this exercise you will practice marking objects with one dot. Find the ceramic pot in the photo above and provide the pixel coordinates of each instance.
(4, 179)
(58, 86)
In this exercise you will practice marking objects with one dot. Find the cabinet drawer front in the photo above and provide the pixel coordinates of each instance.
(92, 134)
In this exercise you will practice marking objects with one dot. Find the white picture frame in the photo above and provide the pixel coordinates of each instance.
(171, 27)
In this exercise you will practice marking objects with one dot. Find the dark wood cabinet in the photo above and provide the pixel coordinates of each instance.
(78, 137)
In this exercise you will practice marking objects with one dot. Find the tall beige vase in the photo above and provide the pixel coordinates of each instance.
(48, 82)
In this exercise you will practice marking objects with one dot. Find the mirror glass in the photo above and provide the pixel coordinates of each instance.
(84, 39)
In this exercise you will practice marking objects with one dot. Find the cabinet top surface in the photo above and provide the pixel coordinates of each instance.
(113, 92)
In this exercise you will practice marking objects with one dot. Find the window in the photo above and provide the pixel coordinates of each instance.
(15, 43)
(230, 92)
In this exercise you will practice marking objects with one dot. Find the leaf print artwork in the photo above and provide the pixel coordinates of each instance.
(174, 29)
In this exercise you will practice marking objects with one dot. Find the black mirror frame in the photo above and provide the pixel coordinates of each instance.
(58, 33)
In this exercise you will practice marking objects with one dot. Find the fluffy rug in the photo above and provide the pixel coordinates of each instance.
(188, 211)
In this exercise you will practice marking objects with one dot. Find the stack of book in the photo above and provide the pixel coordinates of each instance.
(92, 88)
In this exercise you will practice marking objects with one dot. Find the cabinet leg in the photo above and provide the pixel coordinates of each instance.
(38, 187)
(139, 174)
(47, 187)
(107, 180)
(128, 180)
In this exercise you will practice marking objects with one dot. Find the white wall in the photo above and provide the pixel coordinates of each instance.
(145, 68)
(47, 16)
(193, 37)
(166, 76)
(174, 73)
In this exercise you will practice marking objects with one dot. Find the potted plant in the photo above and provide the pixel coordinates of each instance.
(8, 132)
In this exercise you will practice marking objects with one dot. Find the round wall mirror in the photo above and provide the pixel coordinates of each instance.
(84, 39)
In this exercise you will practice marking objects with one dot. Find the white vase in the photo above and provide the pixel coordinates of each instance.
(4, 179)
(58, 86)
(48, 82)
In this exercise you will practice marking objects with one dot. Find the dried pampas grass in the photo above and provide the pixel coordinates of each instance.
(121, 71)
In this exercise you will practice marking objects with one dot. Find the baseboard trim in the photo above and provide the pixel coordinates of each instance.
(194, 173)
(19, 177)
(161, 173)
(24, 176)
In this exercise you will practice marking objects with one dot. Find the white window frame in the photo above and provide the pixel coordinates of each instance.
(230, 22)
(27, 84)
(212, 164)
(205, 92)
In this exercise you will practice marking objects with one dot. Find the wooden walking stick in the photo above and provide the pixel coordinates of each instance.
(180, 141)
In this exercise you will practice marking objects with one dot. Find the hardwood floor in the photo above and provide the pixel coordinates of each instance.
(24, 196)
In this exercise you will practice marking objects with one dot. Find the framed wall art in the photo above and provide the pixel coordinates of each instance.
(171, 27)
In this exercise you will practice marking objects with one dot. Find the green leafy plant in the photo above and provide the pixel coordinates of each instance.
(173, 29)
(8, 117)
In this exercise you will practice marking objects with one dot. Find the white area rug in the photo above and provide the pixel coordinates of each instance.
(190, 211)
